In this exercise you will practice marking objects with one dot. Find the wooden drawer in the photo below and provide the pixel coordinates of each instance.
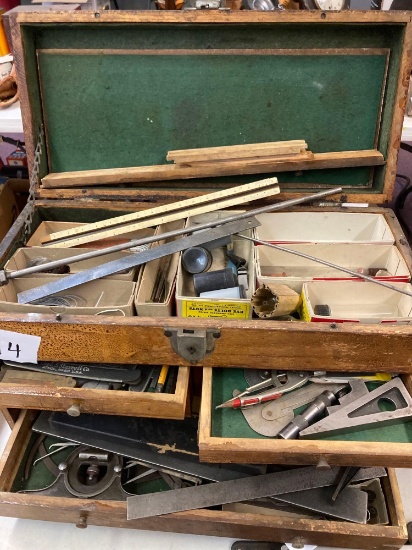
(264, 450)
(84, 400)
(204, 522)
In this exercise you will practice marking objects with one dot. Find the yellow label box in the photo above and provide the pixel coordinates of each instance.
(224, 310)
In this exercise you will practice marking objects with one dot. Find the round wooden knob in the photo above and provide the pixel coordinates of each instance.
(82, 523)
(323, 464)
(73, 410)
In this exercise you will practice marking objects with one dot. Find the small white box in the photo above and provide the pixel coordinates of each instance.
(101, 297)
(144, 306)
(383, 262)
(356, 302)
(324, 227)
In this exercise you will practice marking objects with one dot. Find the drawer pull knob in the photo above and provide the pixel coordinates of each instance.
(323, 464)
(298, 542)
(82, 523)
(73, 410)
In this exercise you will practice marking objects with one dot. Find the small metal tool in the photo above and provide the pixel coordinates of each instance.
(87, 473)
(367, 411)
(261, 379)
(347, 476)
(358, 389)
(196, 259)
(125, 374)
(269, 418)
(311, 414)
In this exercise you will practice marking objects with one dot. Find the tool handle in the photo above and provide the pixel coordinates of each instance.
(248, 401)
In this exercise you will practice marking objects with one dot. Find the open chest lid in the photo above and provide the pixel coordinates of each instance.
(121, 89)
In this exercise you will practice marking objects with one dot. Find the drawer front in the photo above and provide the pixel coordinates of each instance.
(84, 512)
(265, 450)
(83, 400)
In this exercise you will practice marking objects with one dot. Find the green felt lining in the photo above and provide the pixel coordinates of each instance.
(230, 423)
(167, 102)
(98, 108)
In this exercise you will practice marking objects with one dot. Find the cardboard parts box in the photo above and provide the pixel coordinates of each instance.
(143, 83)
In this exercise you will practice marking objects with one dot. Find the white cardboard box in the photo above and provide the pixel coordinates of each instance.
(101, 297)
(324, 227)
(356, 302)
(144, 306)
(276, 266)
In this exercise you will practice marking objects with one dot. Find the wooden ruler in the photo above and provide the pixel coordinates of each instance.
(164, 172)
(237, 151)
(163, 214)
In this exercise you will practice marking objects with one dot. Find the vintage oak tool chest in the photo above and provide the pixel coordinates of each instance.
(110, 90)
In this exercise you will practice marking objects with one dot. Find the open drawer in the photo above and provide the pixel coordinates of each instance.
(84, 400)
(225, 436)
(83, 512)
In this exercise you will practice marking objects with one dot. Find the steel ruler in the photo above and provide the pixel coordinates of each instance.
(239, 490)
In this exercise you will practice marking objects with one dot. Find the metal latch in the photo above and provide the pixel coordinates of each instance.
(206, 5)
(192, 345)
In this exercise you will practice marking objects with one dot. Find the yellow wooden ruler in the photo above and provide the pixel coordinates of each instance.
(163, 214)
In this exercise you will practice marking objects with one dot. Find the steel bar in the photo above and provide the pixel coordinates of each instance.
(352, 504)
(329, 264)
(134, 260)
(250, 488)
(170, 234)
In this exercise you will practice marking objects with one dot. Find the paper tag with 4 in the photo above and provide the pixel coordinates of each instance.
(22, 348)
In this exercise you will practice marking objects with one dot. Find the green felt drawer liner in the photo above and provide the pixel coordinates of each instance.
(231, 423)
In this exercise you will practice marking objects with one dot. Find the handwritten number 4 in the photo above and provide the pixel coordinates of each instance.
(17, 350)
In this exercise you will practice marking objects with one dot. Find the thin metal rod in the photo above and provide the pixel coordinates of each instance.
(169, 234)
(324, 262)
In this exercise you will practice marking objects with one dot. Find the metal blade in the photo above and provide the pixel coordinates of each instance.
(115, 266)
(352, 504)
(250, 488)
(125, 374)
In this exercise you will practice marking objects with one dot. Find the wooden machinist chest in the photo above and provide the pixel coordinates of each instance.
(112, 90)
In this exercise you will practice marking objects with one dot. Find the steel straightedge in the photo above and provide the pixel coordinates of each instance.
(125, 374)
(140, 258)
(352, 504)
(250, 488)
